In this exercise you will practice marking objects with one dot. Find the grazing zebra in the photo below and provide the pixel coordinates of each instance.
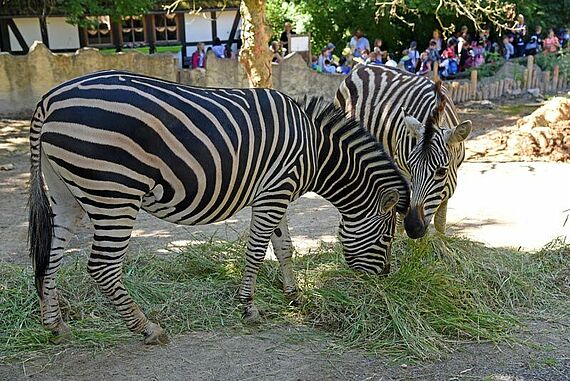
(418, 126)
(111, 143)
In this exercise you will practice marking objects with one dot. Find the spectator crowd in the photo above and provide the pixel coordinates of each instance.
(461, 51)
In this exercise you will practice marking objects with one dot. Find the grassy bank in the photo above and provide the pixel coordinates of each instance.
(441, 290)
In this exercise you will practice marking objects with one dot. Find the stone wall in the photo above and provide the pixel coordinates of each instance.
(291, 76)
(24, 79)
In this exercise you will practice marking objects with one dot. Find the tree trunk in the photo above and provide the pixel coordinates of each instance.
(43, 26)
(254, 54)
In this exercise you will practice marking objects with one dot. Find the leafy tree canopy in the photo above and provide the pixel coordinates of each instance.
(398, 22)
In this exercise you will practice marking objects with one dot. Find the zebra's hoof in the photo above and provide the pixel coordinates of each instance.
(61, 334)
(251, 315)
(294, 297)
(155, 335)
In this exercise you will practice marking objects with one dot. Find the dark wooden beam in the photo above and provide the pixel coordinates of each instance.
(214, 25)
(44, 30)
(18, 36)
(150, 34)
(233, 31)
(82, 37)
(4, 36)
(116, 35)
(182, 38)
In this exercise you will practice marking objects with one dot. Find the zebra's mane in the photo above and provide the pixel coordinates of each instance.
(436, 114)
(326, 116)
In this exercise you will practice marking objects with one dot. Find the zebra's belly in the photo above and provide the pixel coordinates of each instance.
(193, 216)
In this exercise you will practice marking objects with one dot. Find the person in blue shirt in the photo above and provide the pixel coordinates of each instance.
(218, 49)
(359, 43)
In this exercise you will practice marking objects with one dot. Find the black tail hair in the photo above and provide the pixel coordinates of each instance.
(40, 228)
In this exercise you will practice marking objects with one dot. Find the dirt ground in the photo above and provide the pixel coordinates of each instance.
(498, 201)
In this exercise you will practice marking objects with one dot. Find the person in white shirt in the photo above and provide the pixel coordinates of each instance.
(218, 48)
(390, 61)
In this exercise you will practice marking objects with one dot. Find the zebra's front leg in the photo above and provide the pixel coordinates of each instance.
(105, 265)
(281, 240)
(264, 220)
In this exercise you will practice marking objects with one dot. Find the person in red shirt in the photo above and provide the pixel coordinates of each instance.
(451, 45)
(199, 57)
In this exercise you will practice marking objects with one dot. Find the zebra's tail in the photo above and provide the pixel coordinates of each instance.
(40, 227)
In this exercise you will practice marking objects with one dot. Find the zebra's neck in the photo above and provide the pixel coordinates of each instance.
(353, 172)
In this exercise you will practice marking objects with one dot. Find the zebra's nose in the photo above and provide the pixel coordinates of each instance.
(386, 269)
(414, 222)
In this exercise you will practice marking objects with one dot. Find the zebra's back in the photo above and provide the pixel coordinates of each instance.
(194, 155)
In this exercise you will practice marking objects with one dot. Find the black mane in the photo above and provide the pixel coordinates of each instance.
(325, 115)
(436, 114)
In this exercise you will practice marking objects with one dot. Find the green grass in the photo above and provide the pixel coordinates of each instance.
(441, 290)
(144, 49)
(517, 109)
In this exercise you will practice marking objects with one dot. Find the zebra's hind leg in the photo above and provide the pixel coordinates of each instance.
(264, 220)
(281, 240)
(67, 214)
(110, 242)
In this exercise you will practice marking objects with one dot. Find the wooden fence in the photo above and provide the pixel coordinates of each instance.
(472, 89)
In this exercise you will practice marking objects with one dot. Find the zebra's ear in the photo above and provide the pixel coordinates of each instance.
(389, 199)
(458, 133)
(415, 127)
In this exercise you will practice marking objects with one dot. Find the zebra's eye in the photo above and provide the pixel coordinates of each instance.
(441, 172)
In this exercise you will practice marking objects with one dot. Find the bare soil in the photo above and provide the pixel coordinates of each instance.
(282, 352)
(520, 132)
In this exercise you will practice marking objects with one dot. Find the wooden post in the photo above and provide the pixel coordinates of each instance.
(526, 78)
(473, 83)
(435, 74)
(546, 82)
(555, 73)
(455, 91)
(530, 70)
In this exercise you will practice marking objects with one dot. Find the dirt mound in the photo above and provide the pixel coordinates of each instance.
(544, 134)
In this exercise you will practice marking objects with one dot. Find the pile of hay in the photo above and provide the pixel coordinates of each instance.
(442, 290)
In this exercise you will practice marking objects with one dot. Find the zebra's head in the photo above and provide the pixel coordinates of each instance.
(431, 164)
(367, 240)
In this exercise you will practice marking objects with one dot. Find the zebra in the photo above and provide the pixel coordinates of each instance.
(111, 143)
(416, 122)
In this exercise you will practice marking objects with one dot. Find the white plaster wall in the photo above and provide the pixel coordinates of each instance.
(198, 27)
(30, 30)
(224, 24)
(61, 34)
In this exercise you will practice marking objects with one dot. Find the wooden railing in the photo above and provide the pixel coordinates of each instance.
(469, 89)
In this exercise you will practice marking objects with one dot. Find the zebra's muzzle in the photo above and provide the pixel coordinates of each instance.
(414, 222)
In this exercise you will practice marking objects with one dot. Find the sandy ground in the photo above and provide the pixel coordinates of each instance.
(499, 203)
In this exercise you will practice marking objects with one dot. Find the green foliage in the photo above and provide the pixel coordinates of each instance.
(335, 20)
(77, 10)
(440, 290)
(548, 61)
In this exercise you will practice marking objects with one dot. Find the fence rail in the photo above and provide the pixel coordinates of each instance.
(472, 89)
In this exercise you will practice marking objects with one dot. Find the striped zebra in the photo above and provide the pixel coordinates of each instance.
(111, 143)
(417, 124)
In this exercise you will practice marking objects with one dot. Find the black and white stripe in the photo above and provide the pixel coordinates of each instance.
(417, 124)
(112, 143)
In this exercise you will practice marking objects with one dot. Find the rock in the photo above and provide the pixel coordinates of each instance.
(534, 92)
(6, 167)
(484, 104)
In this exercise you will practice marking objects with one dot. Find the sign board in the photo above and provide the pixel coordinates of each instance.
(301, 43)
